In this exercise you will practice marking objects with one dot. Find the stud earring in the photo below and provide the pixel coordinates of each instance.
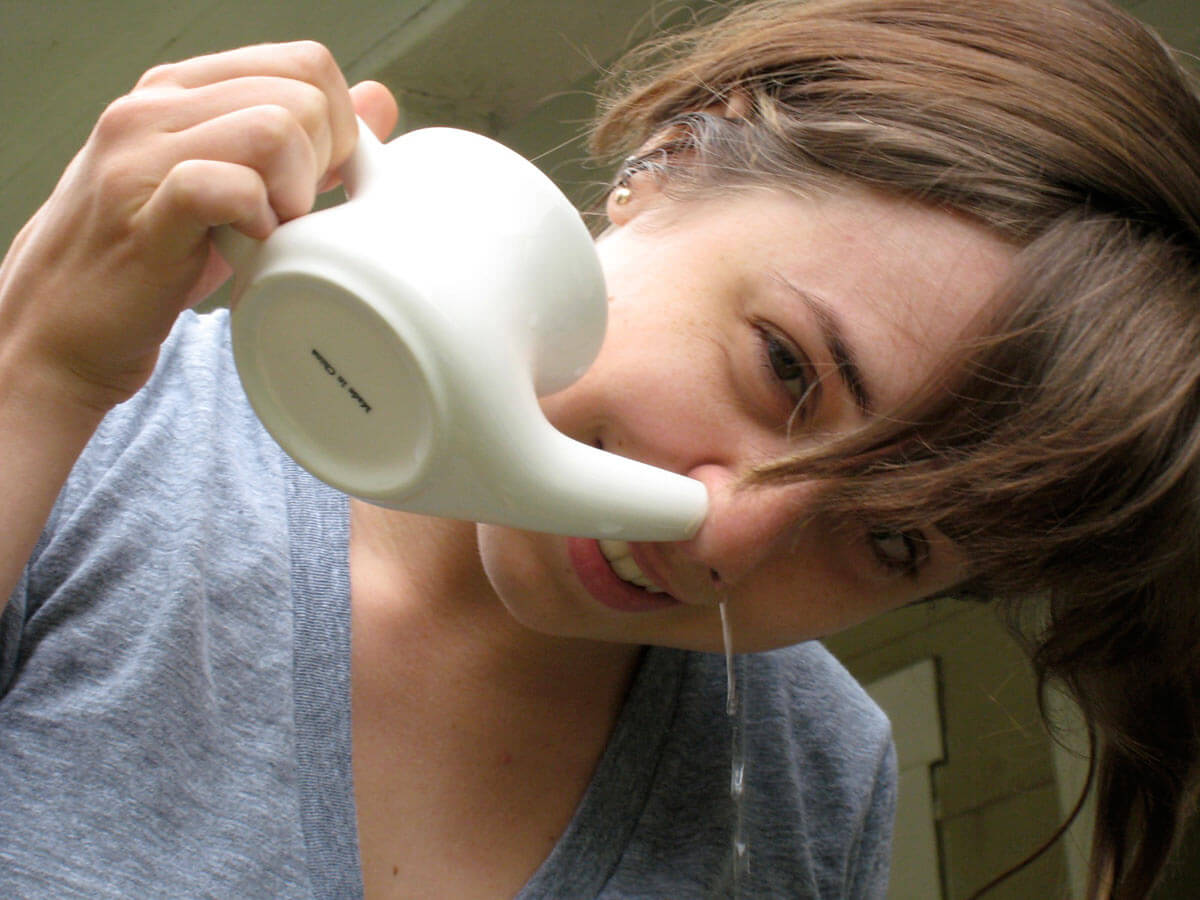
(622, 192)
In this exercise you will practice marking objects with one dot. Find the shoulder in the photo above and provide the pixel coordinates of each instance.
(813, 693)
(814, 756)
(814, 740)
(184, 460)
(191, 421)
(804, 695)
(820, 767)
(194, 382)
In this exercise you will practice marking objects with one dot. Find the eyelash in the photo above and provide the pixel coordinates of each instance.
(774, 346)
(779, 352)
(915, 545)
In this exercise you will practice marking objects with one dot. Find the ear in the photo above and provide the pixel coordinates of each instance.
(639, 190)
(736, 105)
(632, 196)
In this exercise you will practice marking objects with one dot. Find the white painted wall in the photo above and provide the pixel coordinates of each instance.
(910, 699)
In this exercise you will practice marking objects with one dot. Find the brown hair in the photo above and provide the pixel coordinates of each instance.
(1061, 449)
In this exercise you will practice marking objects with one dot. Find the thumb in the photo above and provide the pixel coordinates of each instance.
(376, 106)
(214, 274)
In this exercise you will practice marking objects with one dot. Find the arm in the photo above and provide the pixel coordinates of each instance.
(93, 283)
(870, 860)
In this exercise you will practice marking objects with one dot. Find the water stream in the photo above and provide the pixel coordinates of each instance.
(737, 769)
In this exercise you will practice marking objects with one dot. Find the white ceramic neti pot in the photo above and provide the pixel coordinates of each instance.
(395, 345)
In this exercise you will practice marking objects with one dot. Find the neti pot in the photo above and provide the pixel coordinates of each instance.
(395, 345)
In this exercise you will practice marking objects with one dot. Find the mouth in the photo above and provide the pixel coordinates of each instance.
(620, 559)
(608, 571)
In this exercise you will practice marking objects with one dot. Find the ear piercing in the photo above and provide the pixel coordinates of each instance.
(622, 192)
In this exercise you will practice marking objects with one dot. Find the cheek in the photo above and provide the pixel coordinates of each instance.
(507, 568)
(811, 610)
(805, 582)
(521, 568)
(655, 376)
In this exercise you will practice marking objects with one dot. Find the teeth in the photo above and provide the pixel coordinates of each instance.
(621, 559)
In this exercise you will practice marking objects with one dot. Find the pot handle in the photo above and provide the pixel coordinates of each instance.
(359, 170)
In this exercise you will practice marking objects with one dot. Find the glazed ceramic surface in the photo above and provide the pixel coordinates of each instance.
(395, 345)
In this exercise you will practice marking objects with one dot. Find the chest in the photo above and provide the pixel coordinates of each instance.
(430, 826)
(462, 789)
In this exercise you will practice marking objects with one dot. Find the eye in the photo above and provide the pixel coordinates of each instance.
(787, 365)
(899, 551)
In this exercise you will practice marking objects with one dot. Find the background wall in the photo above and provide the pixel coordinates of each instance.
(522, 70)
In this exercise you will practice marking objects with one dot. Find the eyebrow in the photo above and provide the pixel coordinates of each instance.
(834, 337)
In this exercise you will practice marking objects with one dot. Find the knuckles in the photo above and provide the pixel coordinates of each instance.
(201, 190)
(306, 59)
(128, 157)
(126, 115)
(189, 183)
(314, 60)
(270, 129)
(158, 76)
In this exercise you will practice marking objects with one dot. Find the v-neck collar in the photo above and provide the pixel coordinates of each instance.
(591, 847)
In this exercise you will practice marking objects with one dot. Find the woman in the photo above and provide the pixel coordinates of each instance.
(909, 286)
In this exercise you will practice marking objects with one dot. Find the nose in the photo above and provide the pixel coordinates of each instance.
(746, 524)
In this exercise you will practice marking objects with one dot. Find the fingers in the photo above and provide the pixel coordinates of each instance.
(249, 167)
(180, 100)
(214, 274)
(240, 138)
(91, 287)
(174, 111)
(303, 61)
(197, 195)
(270, 141)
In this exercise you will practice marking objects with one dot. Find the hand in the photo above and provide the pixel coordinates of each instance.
(94, 282)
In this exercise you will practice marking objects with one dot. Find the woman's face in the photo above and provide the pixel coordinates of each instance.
(740, 329)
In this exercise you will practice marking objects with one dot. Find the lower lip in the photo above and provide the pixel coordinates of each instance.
(602, 583)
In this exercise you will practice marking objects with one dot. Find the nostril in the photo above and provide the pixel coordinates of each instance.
(715, 576)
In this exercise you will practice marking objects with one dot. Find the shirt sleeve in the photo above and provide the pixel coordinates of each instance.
(870, 859)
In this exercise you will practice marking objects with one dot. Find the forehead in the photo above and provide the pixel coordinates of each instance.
(902, 280)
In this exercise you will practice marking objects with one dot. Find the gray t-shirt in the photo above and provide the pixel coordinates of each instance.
(174, 698)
